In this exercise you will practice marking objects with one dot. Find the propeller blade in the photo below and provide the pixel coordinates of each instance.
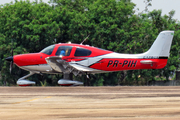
(11, 65)
(12, 52)
(10, 59)
(12, 48)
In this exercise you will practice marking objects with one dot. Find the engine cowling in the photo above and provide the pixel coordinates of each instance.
(64, 82)
(25, 82)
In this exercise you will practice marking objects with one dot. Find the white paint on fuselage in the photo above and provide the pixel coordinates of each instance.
(43, 68)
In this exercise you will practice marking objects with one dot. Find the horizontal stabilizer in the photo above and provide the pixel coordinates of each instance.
(146, 61)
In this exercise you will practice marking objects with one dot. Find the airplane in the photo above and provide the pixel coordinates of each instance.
(78, 59)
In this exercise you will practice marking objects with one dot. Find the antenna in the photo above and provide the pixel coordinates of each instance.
(84, 39)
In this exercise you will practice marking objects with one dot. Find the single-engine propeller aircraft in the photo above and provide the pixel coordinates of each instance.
(79, 59)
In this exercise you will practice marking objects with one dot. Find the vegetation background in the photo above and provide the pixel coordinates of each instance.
(111, 24)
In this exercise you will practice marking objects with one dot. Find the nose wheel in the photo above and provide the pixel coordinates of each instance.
(23, 82)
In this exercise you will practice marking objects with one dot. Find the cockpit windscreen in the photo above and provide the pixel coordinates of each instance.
(48, 50)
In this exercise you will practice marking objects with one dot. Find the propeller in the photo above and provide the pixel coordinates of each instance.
(10, 59)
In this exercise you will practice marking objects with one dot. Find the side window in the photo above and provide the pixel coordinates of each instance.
(64, 50)
(82, 52)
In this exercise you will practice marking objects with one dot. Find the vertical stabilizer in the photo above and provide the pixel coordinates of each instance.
(161, 46)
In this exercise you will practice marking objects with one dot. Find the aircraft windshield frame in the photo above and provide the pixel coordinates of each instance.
(48, 50)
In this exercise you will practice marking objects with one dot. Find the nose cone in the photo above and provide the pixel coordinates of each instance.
(9, 58)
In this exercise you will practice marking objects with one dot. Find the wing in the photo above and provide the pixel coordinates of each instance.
(76, 68)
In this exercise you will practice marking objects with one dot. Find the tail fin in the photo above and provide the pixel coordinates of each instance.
(161, 46)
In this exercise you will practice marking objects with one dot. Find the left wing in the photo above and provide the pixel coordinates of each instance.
(74, 67)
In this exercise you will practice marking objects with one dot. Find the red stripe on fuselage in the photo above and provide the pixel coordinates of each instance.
(128, 64)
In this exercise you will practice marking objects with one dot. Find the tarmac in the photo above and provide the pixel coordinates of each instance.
(90, 103)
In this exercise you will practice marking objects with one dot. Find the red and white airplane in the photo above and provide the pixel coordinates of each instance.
(78, 59)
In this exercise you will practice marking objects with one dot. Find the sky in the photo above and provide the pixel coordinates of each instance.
(165, 5)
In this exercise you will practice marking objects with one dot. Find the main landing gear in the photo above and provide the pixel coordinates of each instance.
(66, 81)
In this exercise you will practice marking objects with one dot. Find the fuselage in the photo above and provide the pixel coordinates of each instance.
(94, 59)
